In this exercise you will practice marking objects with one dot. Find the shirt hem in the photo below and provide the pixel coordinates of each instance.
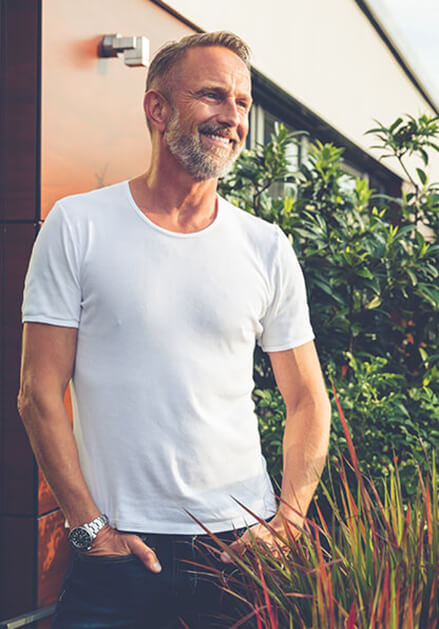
(69, 323)
(228, 524)
(289, 345)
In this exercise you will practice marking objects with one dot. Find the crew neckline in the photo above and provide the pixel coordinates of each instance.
(169, 232)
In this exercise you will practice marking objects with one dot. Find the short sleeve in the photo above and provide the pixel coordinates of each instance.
(286, 323)
(52, 292)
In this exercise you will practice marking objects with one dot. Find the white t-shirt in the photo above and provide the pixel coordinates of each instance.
(167, 323)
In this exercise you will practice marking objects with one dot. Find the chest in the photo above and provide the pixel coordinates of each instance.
(187, 288)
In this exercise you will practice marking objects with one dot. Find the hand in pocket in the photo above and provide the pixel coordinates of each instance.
(112, 543)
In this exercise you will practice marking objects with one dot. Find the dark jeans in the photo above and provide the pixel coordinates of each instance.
(110, 592)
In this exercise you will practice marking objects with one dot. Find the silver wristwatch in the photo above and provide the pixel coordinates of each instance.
(82, 537)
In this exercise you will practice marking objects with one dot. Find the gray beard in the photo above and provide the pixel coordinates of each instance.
(198, 161)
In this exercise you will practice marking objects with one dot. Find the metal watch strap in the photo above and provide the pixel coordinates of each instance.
(96, 525)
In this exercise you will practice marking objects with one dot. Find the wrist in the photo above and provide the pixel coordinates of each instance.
(102, 535)
(290, 517)
(82, 537)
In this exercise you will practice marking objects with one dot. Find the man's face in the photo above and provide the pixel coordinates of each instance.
(210, 105)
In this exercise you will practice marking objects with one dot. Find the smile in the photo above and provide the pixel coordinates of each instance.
(220, 140)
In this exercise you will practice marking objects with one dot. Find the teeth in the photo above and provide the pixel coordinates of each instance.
(220, 138)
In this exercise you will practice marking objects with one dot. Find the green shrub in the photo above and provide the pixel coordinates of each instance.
(372, 276)
(386, 421)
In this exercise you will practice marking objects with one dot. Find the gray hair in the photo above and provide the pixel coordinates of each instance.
(172, 52)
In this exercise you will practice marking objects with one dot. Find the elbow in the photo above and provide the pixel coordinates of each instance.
(317, 406)
(327, 409)
(39, 401)
(324, 413)
(31, 403)
(24, 403)
(323, 406)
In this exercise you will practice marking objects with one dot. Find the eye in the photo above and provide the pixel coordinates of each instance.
(211, 95)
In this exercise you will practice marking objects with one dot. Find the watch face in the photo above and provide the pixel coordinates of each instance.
(80, 539)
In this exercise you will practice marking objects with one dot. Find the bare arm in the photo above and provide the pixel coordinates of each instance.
(306, 436)
(305, 441)
(47, 365)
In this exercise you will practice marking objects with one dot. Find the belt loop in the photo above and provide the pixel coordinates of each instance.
(195, 574)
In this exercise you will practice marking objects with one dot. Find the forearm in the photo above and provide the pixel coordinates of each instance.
(52, 440)
(305, 447)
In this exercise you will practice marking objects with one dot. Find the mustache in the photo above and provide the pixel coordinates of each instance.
(222, 130)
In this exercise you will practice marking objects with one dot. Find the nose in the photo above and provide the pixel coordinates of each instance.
(229, 112)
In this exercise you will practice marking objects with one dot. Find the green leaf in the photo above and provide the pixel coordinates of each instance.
(430, 294)
(374, 303)
(422, 176)
(395, 124)
(412, 276)
(424, 156)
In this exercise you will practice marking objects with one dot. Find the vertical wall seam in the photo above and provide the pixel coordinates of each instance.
(3, 99)
(38, 52)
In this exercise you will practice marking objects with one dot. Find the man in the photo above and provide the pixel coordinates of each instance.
(149, 296)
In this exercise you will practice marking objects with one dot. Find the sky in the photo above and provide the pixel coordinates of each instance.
(415, 26)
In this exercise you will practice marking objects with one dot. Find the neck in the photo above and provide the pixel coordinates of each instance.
(166, 189)
(182, 194)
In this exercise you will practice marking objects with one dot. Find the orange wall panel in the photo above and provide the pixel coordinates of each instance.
(53, 555)
(93, 125)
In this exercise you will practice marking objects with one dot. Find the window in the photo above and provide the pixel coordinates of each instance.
(272, 104)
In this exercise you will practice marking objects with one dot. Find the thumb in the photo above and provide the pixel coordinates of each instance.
(238, 547)
(146, 554)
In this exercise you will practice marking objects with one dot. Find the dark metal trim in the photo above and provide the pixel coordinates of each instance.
(177, 15)
(37, 215)
(19, 221)
(38, 113)
(363, 5)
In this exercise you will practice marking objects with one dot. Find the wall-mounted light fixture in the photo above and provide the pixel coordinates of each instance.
(135, 50)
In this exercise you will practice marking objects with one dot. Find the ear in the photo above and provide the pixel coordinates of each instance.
(157, 109)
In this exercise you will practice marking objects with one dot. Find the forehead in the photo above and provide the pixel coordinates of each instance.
(212, 64)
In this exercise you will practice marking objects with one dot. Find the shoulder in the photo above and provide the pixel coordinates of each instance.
(93, 203)
(266, 241)
(262, 233)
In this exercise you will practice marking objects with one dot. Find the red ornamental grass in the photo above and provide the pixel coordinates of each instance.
(375, 566)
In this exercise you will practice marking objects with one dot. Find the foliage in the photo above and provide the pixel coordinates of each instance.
(408, 137)
(271, 416)
(388, 421)
(372, 278)
(374, 564)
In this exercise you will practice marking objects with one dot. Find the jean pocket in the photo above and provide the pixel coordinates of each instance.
(106, 559)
